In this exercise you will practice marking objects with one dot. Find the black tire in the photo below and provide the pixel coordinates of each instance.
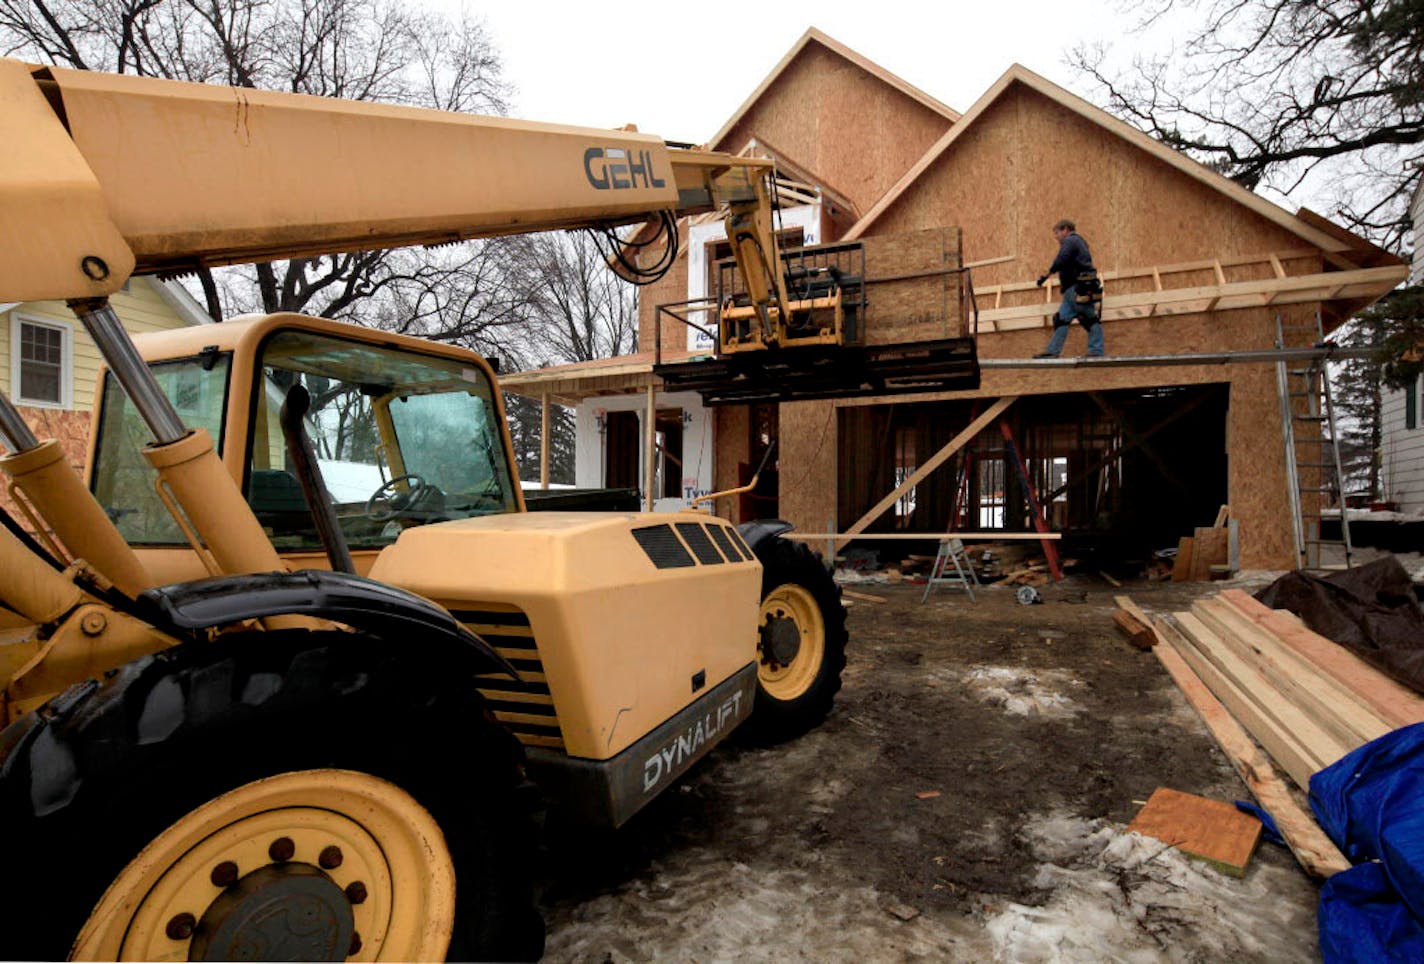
(87, 781)
(780, 716)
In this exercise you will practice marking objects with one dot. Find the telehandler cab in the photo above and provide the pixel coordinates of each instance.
(275, 676)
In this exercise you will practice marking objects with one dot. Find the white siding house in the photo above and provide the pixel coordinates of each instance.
(1402, 421)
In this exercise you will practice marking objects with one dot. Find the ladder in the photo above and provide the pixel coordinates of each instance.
(951, 554)
(1314, 434)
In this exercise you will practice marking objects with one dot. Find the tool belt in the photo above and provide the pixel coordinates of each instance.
(1088, 289)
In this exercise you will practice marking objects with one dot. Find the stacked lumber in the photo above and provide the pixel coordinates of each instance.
(1248, 669)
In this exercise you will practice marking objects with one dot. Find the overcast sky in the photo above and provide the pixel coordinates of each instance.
(681, 70)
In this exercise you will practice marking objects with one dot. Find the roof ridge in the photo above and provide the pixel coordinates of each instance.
(840, 49)
(1017, 73)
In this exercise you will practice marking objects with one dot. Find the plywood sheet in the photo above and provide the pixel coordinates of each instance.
(1182, 566)
(1208, 549)
(807, 464)
(916, 308)
(1210, 830)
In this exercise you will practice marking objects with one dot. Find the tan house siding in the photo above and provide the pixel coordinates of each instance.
(141, 308)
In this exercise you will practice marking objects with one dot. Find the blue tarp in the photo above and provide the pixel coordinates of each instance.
(1371, 803)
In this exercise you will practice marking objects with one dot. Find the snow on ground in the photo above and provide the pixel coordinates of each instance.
(1023, 692)
(1119, 896)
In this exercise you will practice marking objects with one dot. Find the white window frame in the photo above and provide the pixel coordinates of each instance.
(66, 363)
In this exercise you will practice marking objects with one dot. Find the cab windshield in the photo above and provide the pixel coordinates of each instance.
(401, 439)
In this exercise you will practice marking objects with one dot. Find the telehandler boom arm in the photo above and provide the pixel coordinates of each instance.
(112, 175)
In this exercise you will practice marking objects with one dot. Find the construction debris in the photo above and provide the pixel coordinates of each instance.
(1138, 632)
(1210, 830)
(1306, 700)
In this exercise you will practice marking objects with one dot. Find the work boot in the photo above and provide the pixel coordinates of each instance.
(1045, 354)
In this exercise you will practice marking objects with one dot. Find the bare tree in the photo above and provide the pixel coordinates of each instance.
(574, 309)
(1278, 93)
(581, 310)
(382, 50)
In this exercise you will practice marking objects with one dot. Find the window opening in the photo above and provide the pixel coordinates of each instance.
(41, 363)
(669, 475)
(906, 464)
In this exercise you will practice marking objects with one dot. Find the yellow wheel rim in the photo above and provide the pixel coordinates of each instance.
(250, 871)
(793, 641)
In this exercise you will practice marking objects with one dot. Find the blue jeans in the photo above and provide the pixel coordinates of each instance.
(1086, 315)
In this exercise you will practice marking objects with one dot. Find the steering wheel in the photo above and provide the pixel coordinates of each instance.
(395, 501)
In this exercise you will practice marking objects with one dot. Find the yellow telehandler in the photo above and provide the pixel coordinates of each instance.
(277, 676)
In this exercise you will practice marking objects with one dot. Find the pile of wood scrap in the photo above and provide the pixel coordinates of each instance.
(1210, 552)
(1307, 701)
(1033, 572)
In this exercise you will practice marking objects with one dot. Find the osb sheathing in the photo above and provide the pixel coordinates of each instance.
(670, 288)
(858, 133)
(732, 428)
(1025, 162)
(1256, 479)
(917, 308)
(69, 428)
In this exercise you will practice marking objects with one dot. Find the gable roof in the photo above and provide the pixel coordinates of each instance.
(1018, 74)
(812, 35)
(841, 207)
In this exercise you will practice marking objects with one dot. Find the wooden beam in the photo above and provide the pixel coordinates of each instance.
(1326, 702)
(1316, 853)
(924, 536)
(1126, 604)
(1138, 633)
(650, 447)
(1277, 709)
(1392, 702)
(1285, 749)
(1187, 267)
(544, 442)
(1237, 294)
(934, 462)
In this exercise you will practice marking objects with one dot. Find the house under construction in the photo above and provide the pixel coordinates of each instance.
(1124, 457)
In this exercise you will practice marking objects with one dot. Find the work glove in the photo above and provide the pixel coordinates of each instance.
(1041, 279)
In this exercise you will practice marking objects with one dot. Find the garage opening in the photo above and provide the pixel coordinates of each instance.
(1119, 472)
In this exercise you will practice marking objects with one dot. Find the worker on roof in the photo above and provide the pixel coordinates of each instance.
(1082, 292)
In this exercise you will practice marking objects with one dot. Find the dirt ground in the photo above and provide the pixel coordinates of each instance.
(1042, 732)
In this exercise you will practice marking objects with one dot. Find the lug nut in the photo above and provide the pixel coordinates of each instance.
(355, 944)
(356, 892)
(224, 874)
(180, 928)
(282, 849)
(330, 858)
